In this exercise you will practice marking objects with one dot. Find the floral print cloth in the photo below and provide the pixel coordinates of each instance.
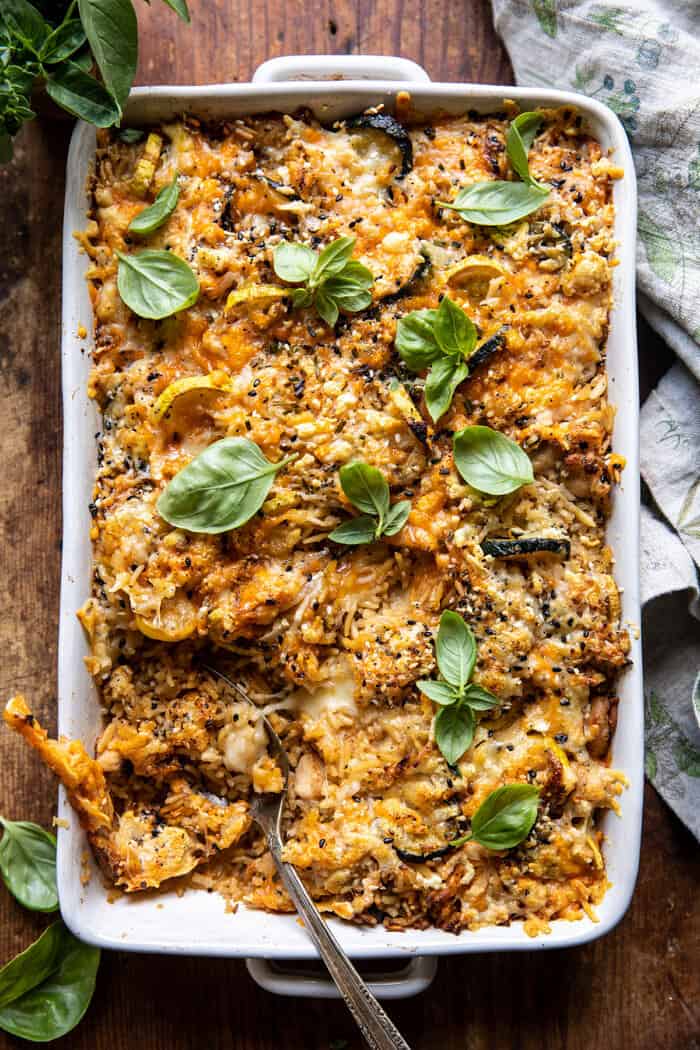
(642, 59)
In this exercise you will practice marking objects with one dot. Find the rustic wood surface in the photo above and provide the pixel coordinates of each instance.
(639, 987)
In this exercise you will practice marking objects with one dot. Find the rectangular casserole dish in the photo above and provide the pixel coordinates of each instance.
(197, 923)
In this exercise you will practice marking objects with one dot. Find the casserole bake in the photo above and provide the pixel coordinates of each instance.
(259, 934)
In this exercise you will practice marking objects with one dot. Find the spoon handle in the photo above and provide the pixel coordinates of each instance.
(376, 1027)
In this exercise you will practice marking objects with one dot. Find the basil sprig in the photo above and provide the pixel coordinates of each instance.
(221, 489)
(156, 284)
(440, 340)
(156, 214)
(497, 202)
(455, 652)
(490, 462)
(505, 818)
(28, 864)
(367, 489)
(45, 990)
(332, 281)
(60, 51)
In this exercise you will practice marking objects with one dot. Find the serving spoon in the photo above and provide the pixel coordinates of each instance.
(376, 1026)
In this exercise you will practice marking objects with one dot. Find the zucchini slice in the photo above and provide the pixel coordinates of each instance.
(391, 127)
(505, 548)
(407, 288)
(419, 858)
(487, 349)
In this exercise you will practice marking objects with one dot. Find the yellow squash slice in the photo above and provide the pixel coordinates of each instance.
(473, 276)
(146, 165)
(176, 621)
(256, 293)
(214, 383)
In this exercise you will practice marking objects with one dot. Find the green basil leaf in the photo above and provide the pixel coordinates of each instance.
(221, 489)
(156, 284)
(345, 295)
(28, 864)
(156, 214)
(30, 967)
(52, 1007)
(519, 139)
(366, 488)
(506, 816)
(454, 732)
(25, 23)
(497, 203)
(180, 8)
(293, 262)
(301, 297)
(64, 40)
(490, 462)
(415, 339)
(84, 60)
(111, 28)
(326, 307)
(333, 259)
(131, 135)
(397, 517)
(480, 699)
(362, 529)
(71, 88)
(354, 275)
(443, 379)
(439, 692)
(455, 650)
(454, 331)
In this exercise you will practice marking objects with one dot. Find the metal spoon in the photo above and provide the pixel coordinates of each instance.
(377, 1028)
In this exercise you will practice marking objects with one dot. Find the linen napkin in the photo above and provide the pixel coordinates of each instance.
(643, 61)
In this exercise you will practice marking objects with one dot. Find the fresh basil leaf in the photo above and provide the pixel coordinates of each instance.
(439, 692)
(301, 297)
(480, 699)
(415, 339)
(156, 214)
(84, 60)
(490, 462)
(454, 731)
(519, 139)
(131, 135)
(455, 650)
(366, 488)
(443, 379)
(71, 88)
(327, 308)
(333, 259)
(396, 517)
(54, 1005)
(293, 262)
(362, 529)
(346, 295)
(354, 275)
(497, 203)
(506, 816)
(156, 284)
(110, 26)
(28, 864)
(18, 977)
(221, 489)
(180, 8)
(25, 23)
(64, 40)
(454, 331)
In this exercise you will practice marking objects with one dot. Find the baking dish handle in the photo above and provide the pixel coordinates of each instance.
(339, 67)
(290, 979)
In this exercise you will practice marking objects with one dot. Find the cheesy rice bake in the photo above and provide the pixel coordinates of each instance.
(329, 634)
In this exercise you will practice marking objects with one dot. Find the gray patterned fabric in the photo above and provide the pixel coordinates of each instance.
(643, 61)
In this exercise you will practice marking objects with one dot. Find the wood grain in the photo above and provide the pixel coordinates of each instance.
(637, 989)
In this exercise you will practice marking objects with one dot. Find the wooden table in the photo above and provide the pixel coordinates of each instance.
(636, 989)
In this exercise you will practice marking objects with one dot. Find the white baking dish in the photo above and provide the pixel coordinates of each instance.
(197, 923)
